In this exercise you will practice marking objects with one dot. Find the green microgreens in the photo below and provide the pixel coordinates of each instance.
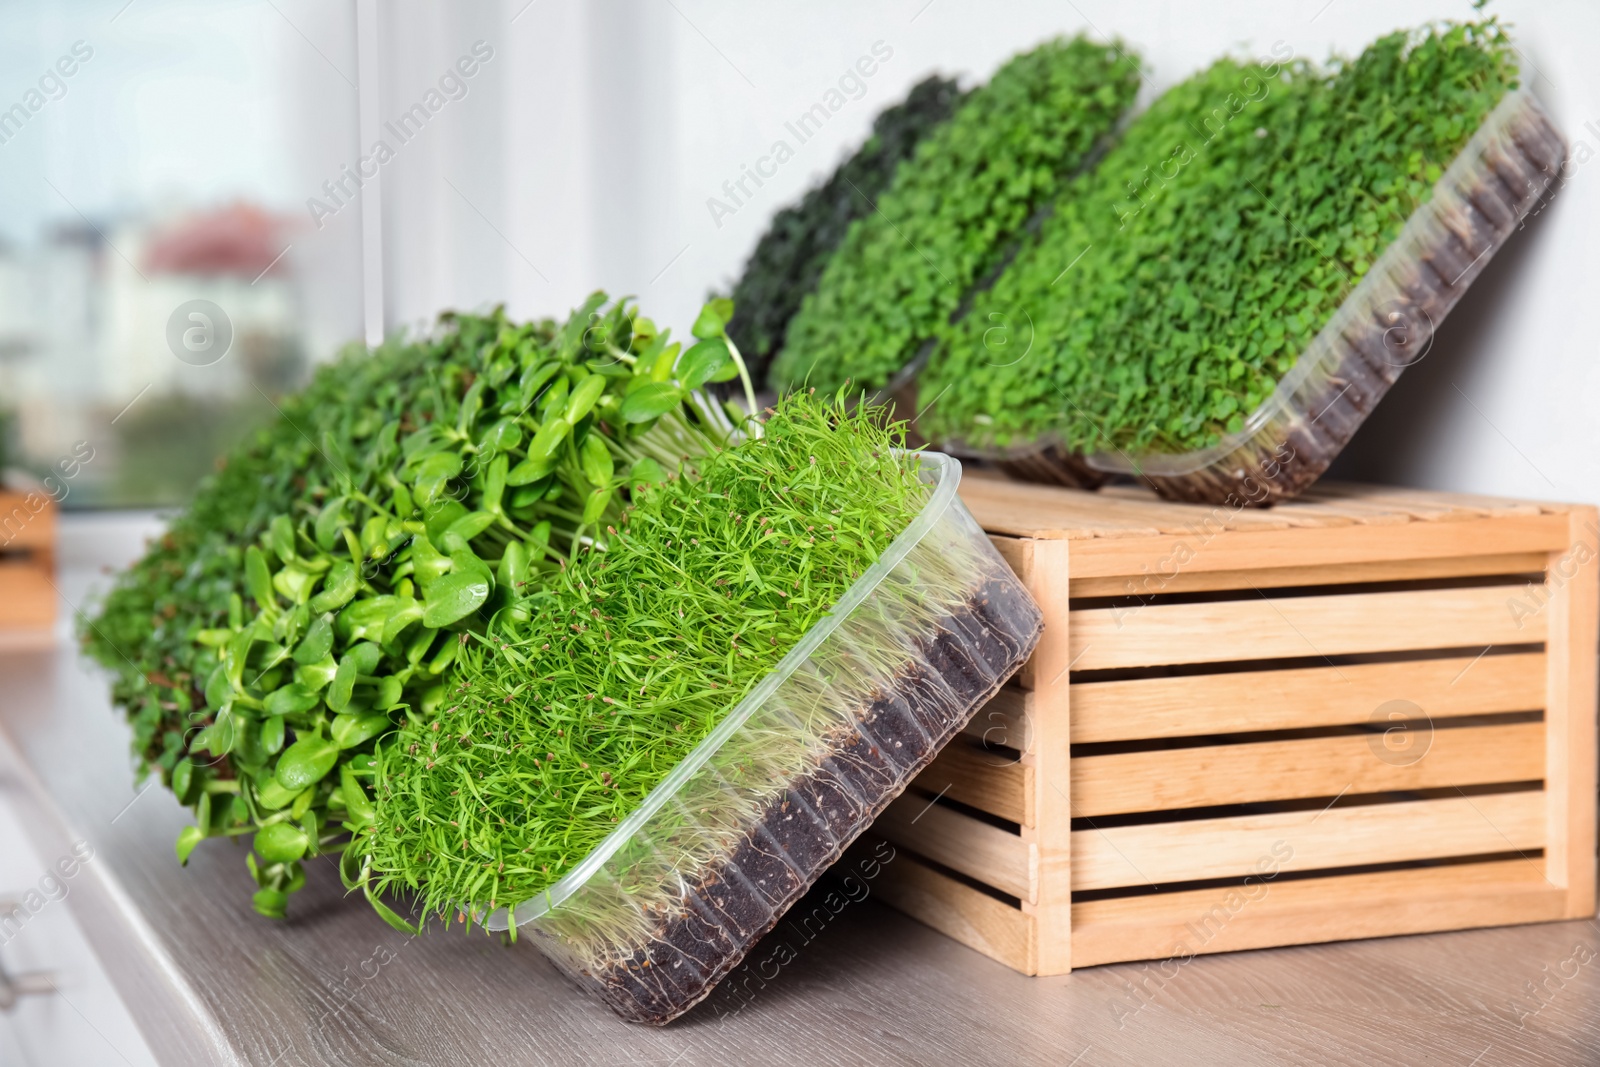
(577, 701)
(1177, 282)
(953, 211)
(314, 593)
(791, 255)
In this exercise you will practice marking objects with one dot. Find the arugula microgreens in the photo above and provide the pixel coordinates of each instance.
(953, 211)
(1177, 282)
(316, 591)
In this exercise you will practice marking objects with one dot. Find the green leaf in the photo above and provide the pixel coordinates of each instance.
(281, 842)
(274, 796)
(235, 655)
(548, 439)
(468, 526)
(339, 587)
(650, 401)
(704, 360)
(291, 699)
(464, 561)
(188, 838)
(183, 780)
(360, 660)
(427, 563)
(407, 611)
(583, 398)
(390, 690)
(257, 578)
(441, 517)
(494, 485)
(294, 582)
(594, 505)
(713, 319)
(470, 406)
(349, 730)
(596, 460)
(329, 519)
(280, 532)
(433, 475)
(218, 738)
(357, 804)
(530, 470)
(646, 471)
(513, 570)
(305, 762)
(317, 643)
(454, 597)
(272, 735)
(271, 903)
(316, 676)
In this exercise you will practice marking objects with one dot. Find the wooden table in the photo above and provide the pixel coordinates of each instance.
(211, 983)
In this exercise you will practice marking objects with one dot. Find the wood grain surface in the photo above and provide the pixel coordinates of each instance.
(211, 983)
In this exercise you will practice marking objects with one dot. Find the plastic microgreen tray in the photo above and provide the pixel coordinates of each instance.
(1384, 325)
(676, 895)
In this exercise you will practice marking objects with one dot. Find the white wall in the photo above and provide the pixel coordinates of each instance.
(616, 120)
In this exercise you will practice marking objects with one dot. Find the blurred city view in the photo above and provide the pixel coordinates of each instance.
(170, 166)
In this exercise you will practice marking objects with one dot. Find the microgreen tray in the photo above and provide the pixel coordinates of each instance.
(1384, 325)
(709, 861)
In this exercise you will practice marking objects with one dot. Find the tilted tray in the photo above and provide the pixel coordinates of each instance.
(676, 895)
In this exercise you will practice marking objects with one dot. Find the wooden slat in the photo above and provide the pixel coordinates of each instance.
(975, 919)
(21, 526)
(1046, 512)
(1428, 505)
(983, 780)
(1047, 820)
(1304, 697)
(1004, 721)
(1332, 625)
(1398, 570)
(1364, 501)
(1244, 550)
(986, 853)
(27, 599)
(1299, 512)
(1231, 847)
(1312, 910)
(1311, 767)
(1574, 614)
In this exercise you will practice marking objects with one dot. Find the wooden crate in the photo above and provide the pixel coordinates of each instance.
(1202, 755)
(27, 568)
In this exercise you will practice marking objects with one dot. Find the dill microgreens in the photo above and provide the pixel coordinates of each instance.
(313, 594)
(952, 211)
(577, 701)
(1177, 282)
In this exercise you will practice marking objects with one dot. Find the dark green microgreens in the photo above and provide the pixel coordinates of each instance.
(790, 256)
(1181, 279)
(953, 211)
(576, 702)
(314, 593)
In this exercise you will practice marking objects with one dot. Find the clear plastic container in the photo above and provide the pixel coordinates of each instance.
(1384, 325)
(672, 900)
